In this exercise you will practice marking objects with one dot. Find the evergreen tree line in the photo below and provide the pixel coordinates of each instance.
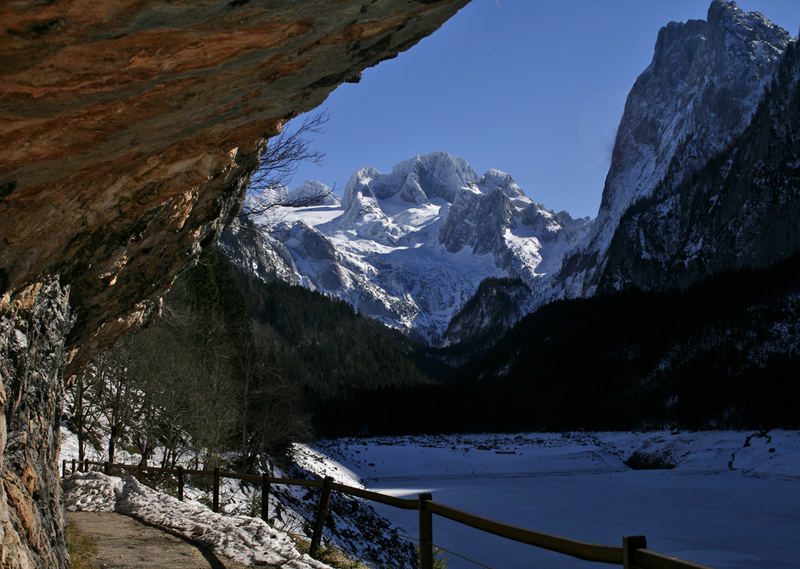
(721, 354)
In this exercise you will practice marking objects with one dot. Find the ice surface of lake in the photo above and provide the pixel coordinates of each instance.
(732, 501)
(724, 520)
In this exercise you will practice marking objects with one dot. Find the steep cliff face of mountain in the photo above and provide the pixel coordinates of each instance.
(738, 212)
(411, 247)
(130, 130)
(698, 93)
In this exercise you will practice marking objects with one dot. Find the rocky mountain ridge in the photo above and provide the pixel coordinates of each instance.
(738, 212)
(696, 96)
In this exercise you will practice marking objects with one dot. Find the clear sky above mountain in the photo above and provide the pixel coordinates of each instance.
(532, 87)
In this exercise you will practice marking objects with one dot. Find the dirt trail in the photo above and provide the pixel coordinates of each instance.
(123, 542)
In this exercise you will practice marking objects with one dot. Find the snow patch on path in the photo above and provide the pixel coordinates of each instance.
(241, 538)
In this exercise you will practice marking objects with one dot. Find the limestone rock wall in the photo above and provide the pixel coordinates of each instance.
(129, 130)
(32, 335)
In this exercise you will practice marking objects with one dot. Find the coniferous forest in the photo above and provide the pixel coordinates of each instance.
(709, 356)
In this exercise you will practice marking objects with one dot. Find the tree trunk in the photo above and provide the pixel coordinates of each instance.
(112, 438)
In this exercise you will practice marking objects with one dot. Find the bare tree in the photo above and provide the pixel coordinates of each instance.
(279, 162)
(83, 410)
(119, 400)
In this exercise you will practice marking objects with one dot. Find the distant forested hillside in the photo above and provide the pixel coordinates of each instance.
(324, 345)
(725, 353)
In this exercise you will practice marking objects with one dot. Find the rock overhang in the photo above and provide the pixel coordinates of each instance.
(130, 130)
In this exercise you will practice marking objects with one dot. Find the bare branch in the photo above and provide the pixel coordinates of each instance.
(279, 162)
(261, 206)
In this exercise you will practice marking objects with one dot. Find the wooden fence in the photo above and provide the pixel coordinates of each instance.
(632, 554)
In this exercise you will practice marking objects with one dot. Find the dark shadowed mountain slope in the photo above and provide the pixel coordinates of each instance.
(724, 353)
(696, 96)
(740, 211)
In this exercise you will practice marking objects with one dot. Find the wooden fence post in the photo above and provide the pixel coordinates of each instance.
(64, 468)
(215, 501)
(425, 532)
(322, 512)
(107, 468)
(265, 497)
(180, 483)
(629, 546)
(73, 466)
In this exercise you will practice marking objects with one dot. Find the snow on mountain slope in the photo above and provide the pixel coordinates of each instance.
(411, 247)
(698, 93)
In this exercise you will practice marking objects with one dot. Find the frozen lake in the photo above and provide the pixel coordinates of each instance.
(724, 520)
(732, 500)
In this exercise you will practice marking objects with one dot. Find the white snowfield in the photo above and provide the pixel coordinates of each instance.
(241, 538)
(731, 499)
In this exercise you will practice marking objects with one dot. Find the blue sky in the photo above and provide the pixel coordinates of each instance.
(532, 87)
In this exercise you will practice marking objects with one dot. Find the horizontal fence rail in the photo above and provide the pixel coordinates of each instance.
(579, 549)
(632, 555)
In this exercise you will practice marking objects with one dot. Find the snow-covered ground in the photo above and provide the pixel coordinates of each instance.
(242, 538)
(732, 499)
(352, 525)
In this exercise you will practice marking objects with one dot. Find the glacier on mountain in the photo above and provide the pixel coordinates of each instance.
(411, 247)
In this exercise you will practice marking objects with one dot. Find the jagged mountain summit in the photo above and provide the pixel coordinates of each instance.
(697, 95)
(411, 247)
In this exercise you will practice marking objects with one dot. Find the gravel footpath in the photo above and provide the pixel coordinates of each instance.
(123, 542)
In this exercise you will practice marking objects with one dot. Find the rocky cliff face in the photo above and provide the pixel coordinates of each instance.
(32, 337)
(130, 130)
(738, 212)
(698, 93)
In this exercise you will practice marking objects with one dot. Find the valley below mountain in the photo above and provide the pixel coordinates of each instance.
(676, 304)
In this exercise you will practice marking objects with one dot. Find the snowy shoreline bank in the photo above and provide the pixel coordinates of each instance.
(728, 500)
(771, 454)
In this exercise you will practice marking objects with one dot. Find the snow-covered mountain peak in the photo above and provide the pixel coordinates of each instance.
(359, 185)
(411, 247)
(438, 174)
(497, 179)
(314, 190)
